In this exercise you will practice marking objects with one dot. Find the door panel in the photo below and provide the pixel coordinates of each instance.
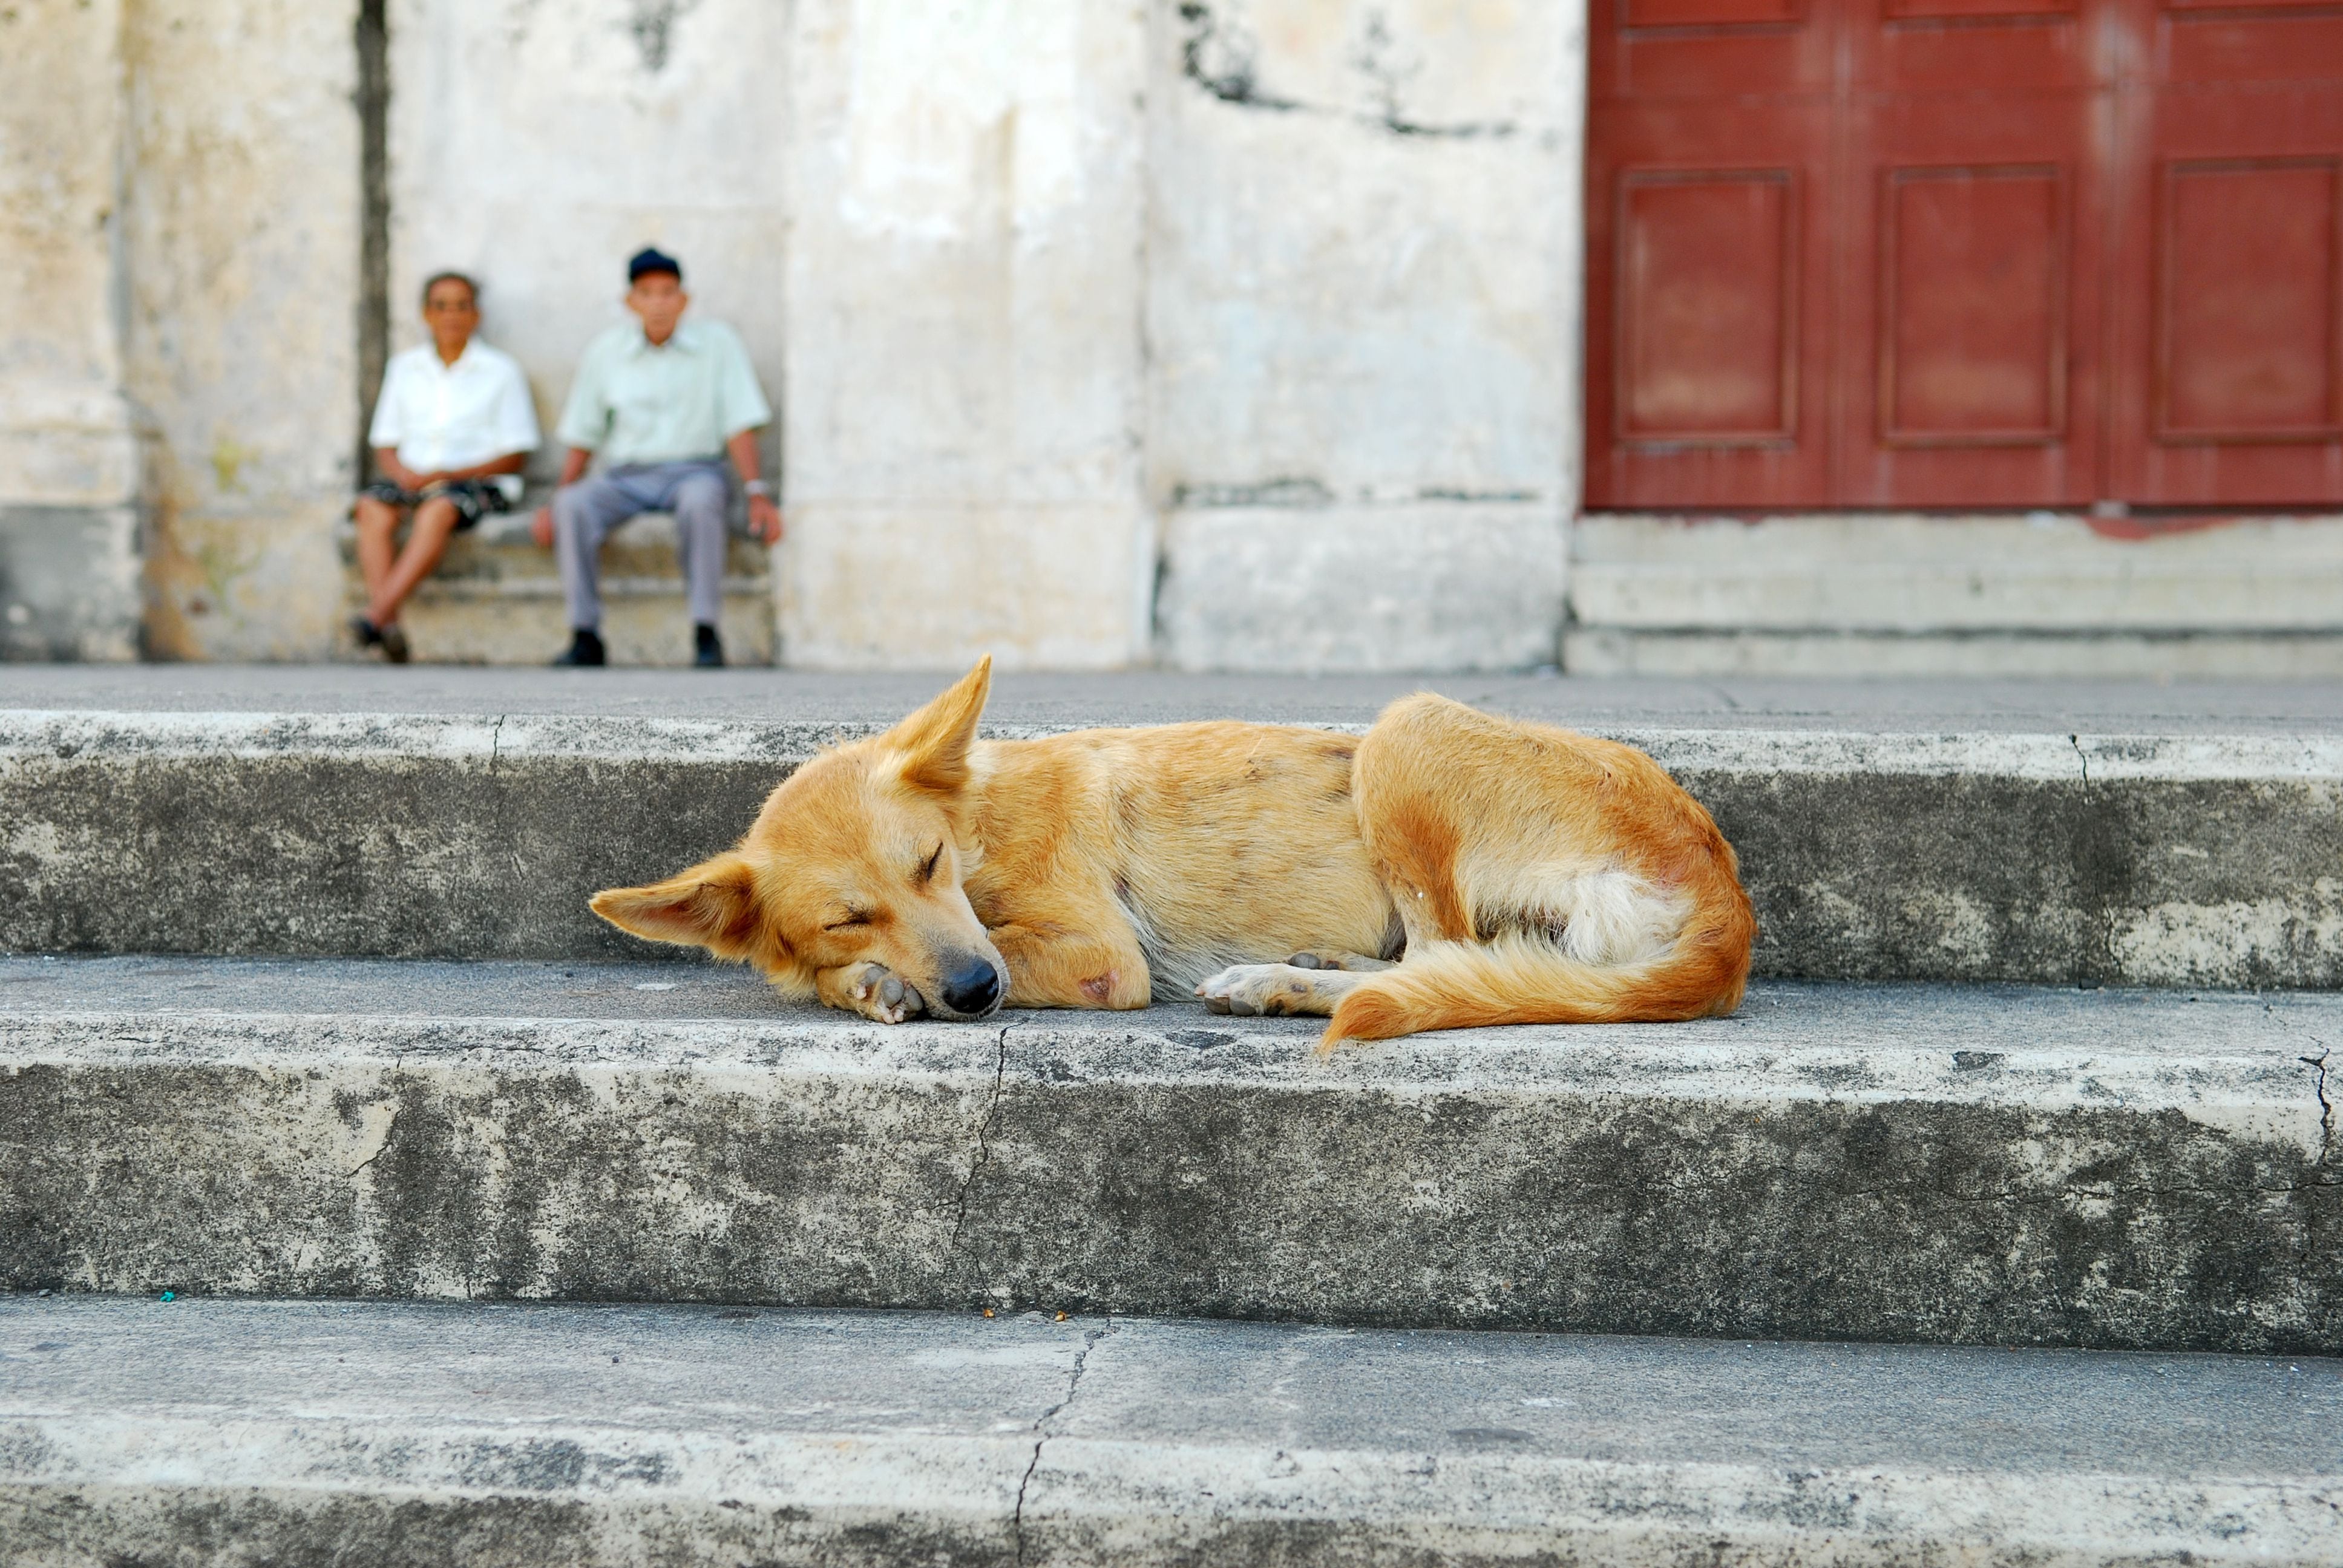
(1640, 14)
(1714, 312)
(1708, 290)
(2245, 331)
(2230, 363)
(1972, 220)
(1972, 288)
(1706, 287)
(1710, 51)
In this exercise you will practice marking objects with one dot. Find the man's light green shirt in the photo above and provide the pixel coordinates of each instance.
(633, 403)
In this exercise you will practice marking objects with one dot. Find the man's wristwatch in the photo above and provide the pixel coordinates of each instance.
(758, 488)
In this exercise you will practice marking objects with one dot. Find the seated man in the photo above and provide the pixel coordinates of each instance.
(662, 402)
(451, 429)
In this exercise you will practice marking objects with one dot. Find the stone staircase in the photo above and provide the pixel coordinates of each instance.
(496, 597)
(362, 1199)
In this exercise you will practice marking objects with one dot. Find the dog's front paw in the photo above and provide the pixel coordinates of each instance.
(876, 991)
(1249, 990)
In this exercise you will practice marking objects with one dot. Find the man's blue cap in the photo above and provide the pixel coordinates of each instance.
(651, 259)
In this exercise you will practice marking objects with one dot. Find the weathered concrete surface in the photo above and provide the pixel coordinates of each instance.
(167, 1434)
(495, 597)
(964, 403)
(72, 473)
(1362, 314)
(240, 293)
(69, 576)
(1852, 706)
(2113, 1169)
(1984, 595)
(537, 148)
(1442, 586)
(2179, 859)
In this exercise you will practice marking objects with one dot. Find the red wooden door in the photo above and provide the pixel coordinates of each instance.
(1971, 223)
(1708, 241)
(2230, 239)
(1964, 253)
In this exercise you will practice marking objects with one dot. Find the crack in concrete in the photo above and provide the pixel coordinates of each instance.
(1223, 62)
(1091, 1342)
(390, 1128)
(983, 1139)
(496, 741)
(2318, 1064)
(1233, 82)
(2095, 967)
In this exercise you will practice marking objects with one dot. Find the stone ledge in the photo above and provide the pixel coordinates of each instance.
(497, 597)
(1831, 653)
(1907, 1163)
(605, 1436)
(1889, 594)
(2103, 858)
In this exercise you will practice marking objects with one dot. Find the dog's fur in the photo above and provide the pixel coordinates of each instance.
(1517, 873)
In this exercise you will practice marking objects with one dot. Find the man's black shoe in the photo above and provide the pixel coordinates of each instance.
(707, 649)
(584, 649)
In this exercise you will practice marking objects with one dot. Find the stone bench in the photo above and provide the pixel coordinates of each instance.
(496, 597)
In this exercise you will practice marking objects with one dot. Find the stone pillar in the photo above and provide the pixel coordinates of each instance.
(964, 404)
(1362, 315)
(241, 243)
(71, 468)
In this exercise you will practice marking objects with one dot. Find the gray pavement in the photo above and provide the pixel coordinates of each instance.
(134, 1430)
(767, 696)
(1936, 1163)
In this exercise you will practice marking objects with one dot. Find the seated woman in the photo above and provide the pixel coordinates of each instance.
(451, 429)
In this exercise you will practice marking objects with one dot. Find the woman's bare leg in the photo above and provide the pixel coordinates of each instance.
(378, 528)
(426, 541)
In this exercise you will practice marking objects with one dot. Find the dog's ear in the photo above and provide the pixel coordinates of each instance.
(934, 741)
(713, 906)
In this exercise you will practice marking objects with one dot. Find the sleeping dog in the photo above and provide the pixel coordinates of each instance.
(1447, 869)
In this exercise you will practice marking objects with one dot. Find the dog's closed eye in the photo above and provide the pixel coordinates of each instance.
(852, 917)
(928, 866)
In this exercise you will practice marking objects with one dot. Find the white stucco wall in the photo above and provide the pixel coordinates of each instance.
(1362, 286)
(965, 392)
(240, 264)
(70, 459)
(537, 148)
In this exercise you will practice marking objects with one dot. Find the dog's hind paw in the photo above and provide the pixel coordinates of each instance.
(880, 993)
(1257, 990)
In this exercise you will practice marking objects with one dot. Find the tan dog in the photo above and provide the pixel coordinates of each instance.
(1517, 873)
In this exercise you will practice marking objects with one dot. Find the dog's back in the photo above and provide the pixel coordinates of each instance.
(1225, 843)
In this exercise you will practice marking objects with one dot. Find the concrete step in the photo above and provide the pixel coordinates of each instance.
(497, 598)
(2025, 595)
(2154, 856)
(2000, 1165)
(200, 1432)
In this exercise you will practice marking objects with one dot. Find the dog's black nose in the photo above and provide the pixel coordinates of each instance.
(974, 990)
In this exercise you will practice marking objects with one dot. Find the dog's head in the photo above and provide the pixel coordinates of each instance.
(857, 858)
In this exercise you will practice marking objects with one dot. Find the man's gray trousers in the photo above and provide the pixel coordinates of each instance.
(698, 493)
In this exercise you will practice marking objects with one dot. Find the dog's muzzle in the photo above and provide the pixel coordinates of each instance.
(973, 991)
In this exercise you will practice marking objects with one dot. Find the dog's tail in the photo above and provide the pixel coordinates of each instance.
(1525, 978)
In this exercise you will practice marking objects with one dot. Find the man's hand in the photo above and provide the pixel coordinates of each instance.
(764, 520)
(540, 527)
